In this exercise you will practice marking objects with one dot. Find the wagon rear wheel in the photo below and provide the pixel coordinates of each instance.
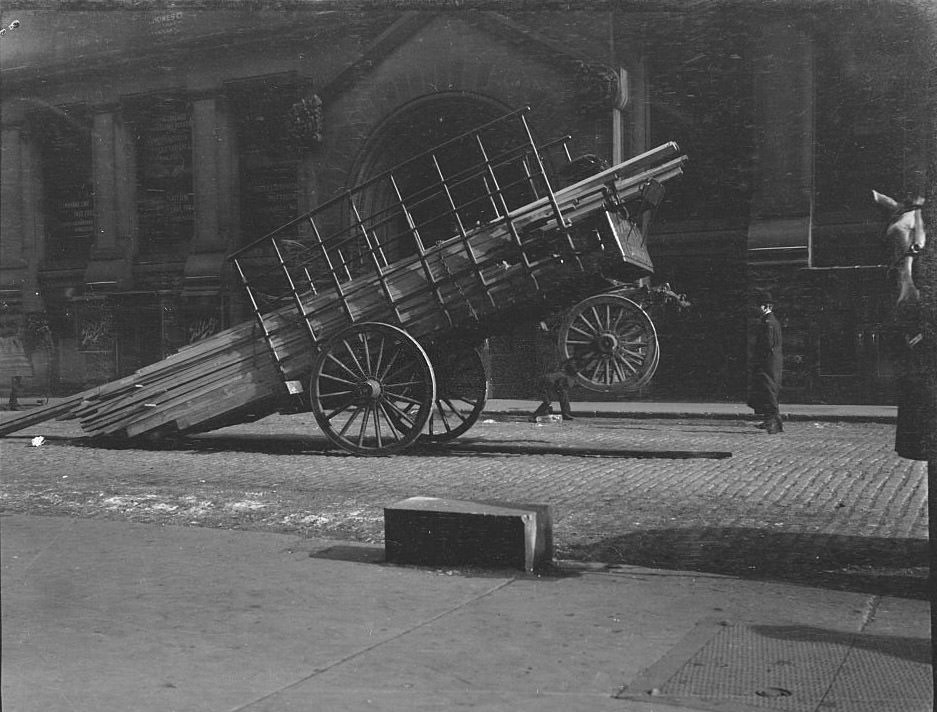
(614, 341)
(372, 389)
(461, 393)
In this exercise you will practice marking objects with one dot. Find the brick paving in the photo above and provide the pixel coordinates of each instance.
(824, 503)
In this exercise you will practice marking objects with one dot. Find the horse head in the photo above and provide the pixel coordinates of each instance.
(905, 234)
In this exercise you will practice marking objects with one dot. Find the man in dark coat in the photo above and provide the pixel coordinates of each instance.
(766, 366)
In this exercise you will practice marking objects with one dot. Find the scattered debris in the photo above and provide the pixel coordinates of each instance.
(37, 441)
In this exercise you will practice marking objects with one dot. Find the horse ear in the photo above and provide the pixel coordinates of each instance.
(884, 200)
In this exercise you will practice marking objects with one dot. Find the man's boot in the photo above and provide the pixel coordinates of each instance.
(774, 425)
(542, 409)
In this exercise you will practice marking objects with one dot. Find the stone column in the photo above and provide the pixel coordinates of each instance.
(22, 220)
(110, 267)
(781, 211)
(11, 197)
(213, 168)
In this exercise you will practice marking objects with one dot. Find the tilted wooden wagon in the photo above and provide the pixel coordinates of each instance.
(370, 309)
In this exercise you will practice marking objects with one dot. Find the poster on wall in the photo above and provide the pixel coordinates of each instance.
(96, 337)
(202, 317)
(166, 202)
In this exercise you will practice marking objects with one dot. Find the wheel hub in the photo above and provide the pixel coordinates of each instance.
(607, 343)
(369, 389)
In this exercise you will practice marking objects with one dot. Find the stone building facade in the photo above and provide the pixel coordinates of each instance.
(141, 146)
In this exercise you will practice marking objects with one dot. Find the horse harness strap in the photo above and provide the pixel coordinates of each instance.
(907, 207)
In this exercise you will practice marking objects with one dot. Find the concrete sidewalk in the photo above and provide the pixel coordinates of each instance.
(103, 616)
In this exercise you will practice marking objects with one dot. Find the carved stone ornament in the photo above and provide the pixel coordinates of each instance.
(305, 122)
(599, 88)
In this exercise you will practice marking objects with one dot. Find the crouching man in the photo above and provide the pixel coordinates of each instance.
(555, 386)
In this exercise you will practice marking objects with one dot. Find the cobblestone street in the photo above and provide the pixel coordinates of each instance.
(824, 503)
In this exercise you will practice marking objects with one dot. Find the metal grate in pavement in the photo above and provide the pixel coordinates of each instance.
(737, 667)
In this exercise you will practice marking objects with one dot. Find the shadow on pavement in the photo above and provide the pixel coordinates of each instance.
(915, 650)
(296, 444)
(372, 554)
(878, 566)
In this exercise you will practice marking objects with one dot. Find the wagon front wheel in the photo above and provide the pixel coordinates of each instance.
(372, 389)
(614, 341)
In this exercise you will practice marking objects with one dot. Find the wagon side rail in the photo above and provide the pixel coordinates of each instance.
(393, 248)
(485, 235)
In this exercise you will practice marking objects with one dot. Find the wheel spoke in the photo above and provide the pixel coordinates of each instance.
(351, 352)
(393, 358)
(397, 384)
(367, 355)
(636, 355)
(402, 369)
(336, 378)
(377, 428)
(598, 319)
(393, 428)
(598, 365)
(588, 335)
(442, 416)
(592, 328)
(625, 362)
(618, 371)
(402, 397)
(403, 414)
(364, 425)
(348, 423)
(348, 402)
(380, 358)
(351, 373)
(454, 410)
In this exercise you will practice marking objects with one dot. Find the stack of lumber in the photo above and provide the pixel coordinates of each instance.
(233, 376)
(219, 375)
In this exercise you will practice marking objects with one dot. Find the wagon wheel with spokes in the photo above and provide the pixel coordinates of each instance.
(614, 342)
(372, 389)
(461, 392)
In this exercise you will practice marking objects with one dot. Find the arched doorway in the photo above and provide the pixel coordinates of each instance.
(414, 129)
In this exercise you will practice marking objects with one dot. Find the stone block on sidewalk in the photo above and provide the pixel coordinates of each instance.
(428, 531)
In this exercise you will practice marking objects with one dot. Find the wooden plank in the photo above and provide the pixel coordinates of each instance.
(211, 401)
(128, 408)
(38, 415)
